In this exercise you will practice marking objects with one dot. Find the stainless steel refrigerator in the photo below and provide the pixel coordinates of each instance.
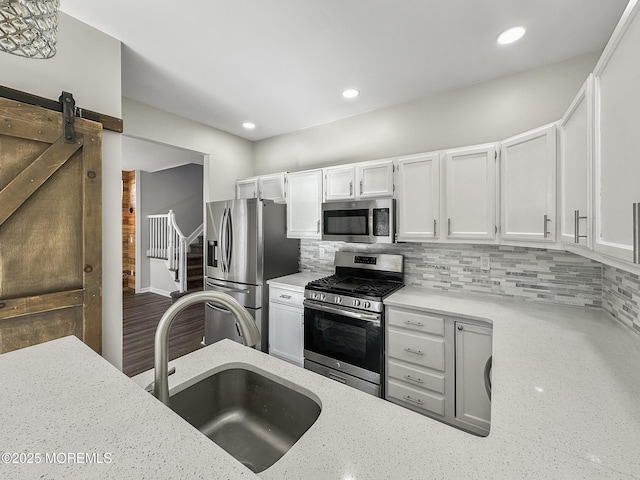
(246, 245)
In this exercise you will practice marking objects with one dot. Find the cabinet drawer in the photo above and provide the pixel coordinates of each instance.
(417, 399)
(417, 321)
(415, 377)
(420, 350)
(287, 297)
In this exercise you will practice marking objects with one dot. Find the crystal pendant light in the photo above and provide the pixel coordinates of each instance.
(29, 28)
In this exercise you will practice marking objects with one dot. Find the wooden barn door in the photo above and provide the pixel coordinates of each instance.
(50, 228)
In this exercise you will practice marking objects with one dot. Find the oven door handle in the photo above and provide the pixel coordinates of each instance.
(372, 318)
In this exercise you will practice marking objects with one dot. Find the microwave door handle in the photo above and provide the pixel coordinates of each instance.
(372, 318)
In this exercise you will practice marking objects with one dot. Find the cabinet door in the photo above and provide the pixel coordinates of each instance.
(375, 179)
(247, 188)
(471, 192)
(271, 187)
(528, 173)
(304, 201)
(617, 85)
(418, 197)
(286, 333)
(473, 370)
(339, 183)
(575, 167)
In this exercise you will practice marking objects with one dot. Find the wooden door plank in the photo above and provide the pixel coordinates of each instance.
(17, 307)
(17, 127)
(34, 176)
(92, 239)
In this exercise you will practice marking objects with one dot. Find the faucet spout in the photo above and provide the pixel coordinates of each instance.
(248, 330)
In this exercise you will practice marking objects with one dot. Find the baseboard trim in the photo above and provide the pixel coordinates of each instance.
(157, 291)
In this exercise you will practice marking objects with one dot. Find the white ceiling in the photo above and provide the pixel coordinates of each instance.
(283, 64)
(152, 157)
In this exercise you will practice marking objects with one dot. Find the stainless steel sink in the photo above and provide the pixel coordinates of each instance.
(252, 417)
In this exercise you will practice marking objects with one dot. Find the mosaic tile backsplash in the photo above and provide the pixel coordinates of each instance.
(621, 295)
(525, 273)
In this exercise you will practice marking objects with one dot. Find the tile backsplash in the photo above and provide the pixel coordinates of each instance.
(621, 295)
(525, 273)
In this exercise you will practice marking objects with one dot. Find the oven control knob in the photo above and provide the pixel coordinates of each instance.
(356, 303)
(366, 304)
(338, 365)
(338, 300)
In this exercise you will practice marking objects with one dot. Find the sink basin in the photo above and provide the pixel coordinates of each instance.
(252, 417)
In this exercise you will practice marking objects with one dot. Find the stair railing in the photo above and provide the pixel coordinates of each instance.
(167, 242)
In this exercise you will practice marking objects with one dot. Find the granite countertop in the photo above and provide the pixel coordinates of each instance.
(296, 280)
(566, 390)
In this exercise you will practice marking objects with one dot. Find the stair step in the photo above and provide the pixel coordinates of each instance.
(195, 255)
(194, 277)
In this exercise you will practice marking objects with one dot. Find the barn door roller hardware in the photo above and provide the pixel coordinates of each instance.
(68, 113)
(108, 123)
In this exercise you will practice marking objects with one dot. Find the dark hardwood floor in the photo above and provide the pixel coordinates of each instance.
(141, 314)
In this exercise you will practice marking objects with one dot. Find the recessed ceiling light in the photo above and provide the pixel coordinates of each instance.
(512, 35)
(351, 93)
(249, 125)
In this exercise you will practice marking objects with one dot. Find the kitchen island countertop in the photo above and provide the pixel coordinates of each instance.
(566, 390)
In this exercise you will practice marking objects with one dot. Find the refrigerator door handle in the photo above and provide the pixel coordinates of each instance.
(223, 246)
(229, 240)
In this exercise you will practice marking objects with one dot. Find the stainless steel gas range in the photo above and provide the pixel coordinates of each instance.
(344, 319)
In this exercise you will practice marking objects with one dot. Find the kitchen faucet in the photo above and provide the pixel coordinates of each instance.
(247, 325)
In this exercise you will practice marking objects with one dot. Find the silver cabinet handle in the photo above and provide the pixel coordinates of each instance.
(350, 188)
(434, 227)
(636, 233)
(411, 350)
(411, 379)
(576, 226)
(544, 228)
(448, 226)
(414, 400)
(285, 296)
(318, 227)
(460, 327)
(360, 187)
(417, 324)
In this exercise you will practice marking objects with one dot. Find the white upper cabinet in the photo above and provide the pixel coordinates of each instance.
(272, 187)
(247, 188)
(266, 187)
(304, 201)
(418, 197)
(617, 137)
(470, 206)
(375, 179)
(575, 169)
(528, 186)
(339, 183)
(359, 181)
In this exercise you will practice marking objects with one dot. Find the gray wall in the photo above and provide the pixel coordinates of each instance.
(178, 189)
(485, 112)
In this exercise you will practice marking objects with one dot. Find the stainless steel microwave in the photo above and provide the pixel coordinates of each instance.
(363, 221)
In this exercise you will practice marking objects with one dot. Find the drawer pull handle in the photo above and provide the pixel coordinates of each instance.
(411, 350)
(285, 296)
(417, 380)
(417, 324)
(414, 400)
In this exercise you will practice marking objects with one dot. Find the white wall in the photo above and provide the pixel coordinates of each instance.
(87, 64)
(484, 112)
(227, 157)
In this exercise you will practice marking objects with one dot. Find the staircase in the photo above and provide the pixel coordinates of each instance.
(195, 270)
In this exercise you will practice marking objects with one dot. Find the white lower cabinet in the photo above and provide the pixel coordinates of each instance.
(286, 324)
(435, 365)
